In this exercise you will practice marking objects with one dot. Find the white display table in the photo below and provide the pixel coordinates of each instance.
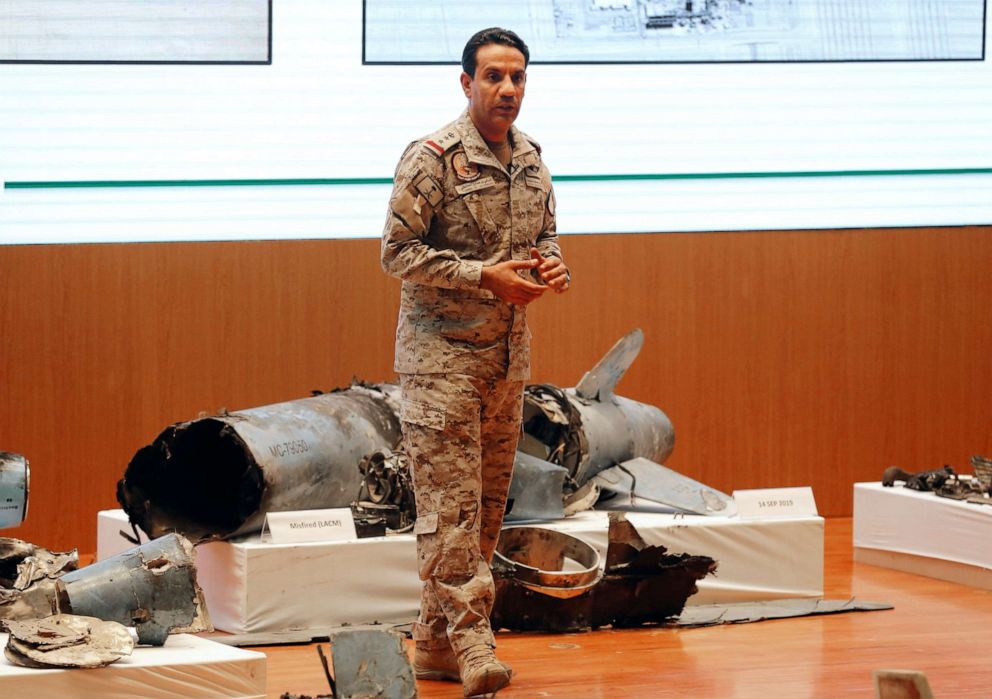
(922, 533)
(252, 587)
(186, 667)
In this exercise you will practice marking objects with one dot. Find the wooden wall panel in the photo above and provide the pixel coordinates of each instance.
(783, 358)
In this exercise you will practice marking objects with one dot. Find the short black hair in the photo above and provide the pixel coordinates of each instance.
(493, 35)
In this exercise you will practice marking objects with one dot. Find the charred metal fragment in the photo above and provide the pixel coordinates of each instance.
(151, 587)
(641, 584)
(27, 578)
(15, 480)
(67, 641)
(217, 477)
(644, 584)
(386, 502)
(922, 481)
(966, 488)
(946, 483)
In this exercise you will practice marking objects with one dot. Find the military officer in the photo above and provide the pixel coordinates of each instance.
(471, 232)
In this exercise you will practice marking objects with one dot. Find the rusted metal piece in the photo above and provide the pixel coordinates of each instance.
(151, 587)
(27, 578)
(547, 561)
(67, 641)
(15, 481)
(641, 585)
(217, 477)
(371, 664)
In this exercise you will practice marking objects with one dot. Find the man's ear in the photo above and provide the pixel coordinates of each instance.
(466, 80)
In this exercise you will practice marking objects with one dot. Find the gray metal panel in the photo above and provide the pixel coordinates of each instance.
(372, 664)
(536, 489)
(151, 587)
(652, 481)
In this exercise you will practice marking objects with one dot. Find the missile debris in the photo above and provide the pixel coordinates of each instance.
(386, 502)
(371, 663)
(217, 477)
(28, 574)
(67, 641)
(549, 581)
(150, 587)
(367, 663)
(597, 437)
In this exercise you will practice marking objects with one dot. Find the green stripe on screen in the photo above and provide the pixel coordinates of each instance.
(338, 181)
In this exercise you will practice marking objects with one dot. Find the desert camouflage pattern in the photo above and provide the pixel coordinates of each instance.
(460, 432)
(455, 208)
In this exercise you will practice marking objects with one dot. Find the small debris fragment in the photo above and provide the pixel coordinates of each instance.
(67, 641)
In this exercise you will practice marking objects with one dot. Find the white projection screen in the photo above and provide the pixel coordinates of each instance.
(145, 120)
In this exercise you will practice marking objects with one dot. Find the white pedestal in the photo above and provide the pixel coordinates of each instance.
(253, 587)
(186, 667)
(922, 533)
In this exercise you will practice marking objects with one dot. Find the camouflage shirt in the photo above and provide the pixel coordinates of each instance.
(454, 209)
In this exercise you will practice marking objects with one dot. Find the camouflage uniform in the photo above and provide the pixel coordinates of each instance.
(462, 355)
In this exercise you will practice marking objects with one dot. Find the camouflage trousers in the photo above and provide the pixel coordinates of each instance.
(461, 434)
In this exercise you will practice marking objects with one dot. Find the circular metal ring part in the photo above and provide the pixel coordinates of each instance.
(547, 561)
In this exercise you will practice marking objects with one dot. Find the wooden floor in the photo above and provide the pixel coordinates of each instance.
(940, 628)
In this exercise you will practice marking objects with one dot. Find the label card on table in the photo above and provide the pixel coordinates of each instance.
(775, 502)
(301, 526)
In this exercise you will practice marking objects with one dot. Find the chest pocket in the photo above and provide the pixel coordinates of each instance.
(482, 214)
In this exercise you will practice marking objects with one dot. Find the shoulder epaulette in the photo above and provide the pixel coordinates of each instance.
(442, 140)
(521, 134)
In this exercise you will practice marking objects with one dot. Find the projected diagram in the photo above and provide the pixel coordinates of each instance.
(635, 31)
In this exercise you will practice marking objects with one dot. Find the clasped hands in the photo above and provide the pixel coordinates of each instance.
(506, 282)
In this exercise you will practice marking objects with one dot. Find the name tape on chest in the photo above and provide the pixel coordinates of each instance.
(475, 186)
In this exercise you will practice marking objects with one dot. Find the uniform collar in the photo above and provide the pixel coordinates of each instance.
(477, 151)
